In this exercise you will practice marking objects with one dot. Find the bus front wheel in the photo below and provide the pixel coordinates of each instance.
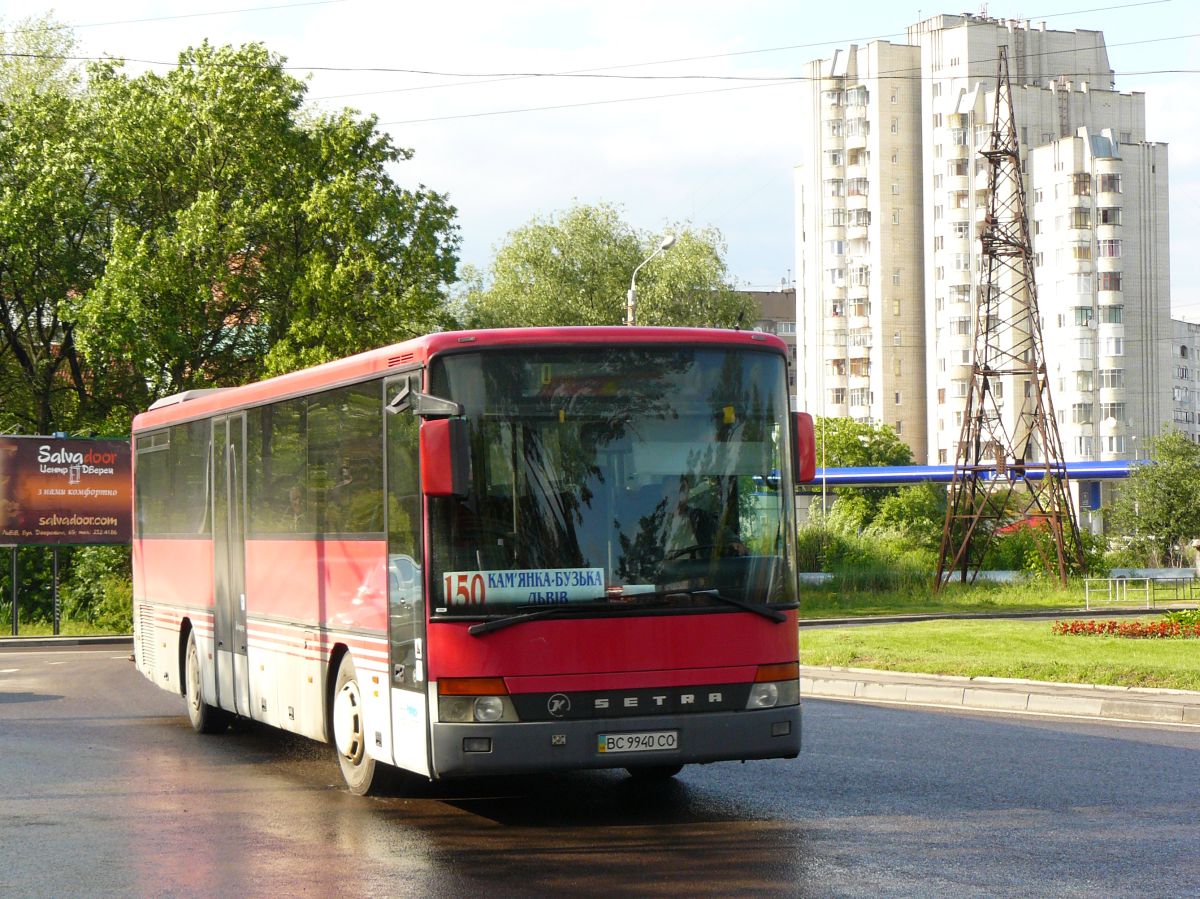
(205, 718)
(361, 772)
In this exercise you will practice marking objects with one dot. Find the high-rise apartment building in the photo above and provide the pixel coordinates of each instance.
(1096, 194)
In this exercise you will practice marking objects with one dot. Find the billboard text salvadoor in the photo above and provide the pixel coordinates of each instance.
(62, 491)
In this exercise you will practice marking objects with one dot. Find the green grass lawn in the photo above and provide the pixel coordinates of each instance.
(827, 601)
(1022, 649)
(67, 628)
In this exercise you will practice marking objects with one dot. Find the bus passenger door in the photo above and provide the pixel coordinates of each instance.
(229, 561)
(406, 598)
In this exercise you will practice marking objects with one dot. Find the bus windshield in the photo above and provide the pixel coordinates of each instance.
(616, 479)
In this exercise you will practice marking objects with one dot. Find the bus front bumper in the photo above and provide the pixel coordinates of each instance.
(462, 750)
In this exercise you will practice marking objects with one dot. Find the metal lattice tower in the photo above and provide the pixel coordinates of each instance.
(1008, 467)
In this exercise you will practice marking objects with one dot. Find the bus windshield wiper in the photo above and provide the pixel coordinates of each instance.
(538, 612)
(757, 608)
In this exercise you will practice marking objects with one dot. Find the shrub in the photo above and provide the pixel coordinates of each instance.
(99, 589)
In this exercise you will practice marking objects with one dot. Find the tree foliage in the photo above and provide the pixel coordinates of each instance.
(846, 443)
(1158, 507)
(52, 233)
(574, 268)
(195, 228)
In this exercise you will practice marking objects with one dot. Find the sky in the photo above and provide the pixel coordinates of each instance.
(721, 153)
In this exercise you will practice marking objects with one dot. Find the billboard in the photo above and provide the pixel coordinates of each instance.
(59, 491)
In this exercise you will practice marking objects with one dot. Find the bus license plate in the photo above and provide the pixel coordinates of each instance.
(644, 741)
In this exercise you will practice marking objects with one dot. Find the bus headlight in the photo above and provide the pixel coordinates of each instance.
(474, 700)
(489, 709)
(763, 696)
(775, 685)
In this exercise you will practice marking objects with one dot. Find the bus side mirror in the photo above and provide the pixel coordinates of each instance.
(804, 448)
(445, 457)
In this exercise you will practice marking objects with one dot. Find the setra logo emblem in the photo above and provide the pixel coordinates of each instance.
(558, 705)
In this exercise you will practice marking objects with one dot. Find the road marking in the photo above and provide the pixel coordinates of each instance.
(9, 670)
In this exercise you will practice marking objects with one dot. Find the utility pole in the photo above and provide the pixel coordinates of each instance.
(1007, 468)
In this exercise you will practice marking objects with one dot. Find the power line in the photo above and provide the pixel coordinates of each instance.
(193, 15)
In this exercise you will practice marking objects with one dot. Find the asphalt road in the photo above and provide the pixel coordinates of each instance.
(104, 790)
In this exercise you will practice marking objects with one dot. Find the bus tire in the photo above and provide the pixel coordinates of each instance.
(204, 718)
(654, 772)
(363, 775)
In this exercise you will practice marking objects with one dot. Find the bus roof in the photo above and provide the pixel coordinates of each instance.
(199, 403)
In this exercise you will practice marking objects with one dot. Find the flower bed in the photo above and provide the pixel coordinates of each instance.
(1165, 629)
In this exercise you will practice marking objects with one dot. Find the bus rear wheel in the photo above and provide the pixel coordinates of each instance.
(204, 718)
(363, 775)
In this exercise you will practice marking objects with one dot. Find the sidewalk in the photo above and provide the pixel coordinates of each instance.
(995, 694)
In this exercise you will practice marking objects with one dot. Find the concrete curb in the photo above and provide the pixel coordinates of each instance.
(50, 642)
(992, 694)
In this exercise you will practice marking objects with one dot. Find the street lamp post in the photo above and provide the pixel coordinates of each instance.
(665, 244)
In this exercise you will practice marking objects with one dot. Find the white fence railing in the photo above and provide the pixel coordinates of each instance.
(1139, 592)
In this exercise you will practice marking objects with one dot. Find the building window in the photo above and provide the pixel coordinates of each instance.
(1110, 183)
(837, 217)
(1083, 316)
(1108, 249)
(857, 187)
(1110, 280)
(835, 247)
(1108, 215)
(1112, 315)
(962, 262)
(837, 396)
(1083, 380)
(1081, 413)
(960, 325)
(960, 229)
(1113, 443)
(1081, 184)
(1083, 445)
(895, 216)
(1114, 346)
(835, 187)
(1114, 410)
(860, 396)
(1181, 394)
(1081, 217)
(960, 293)
(1112, 377)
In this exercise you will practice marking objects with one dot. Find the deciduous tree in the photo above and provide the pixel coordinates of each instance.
(1158, 507)
(574, 268)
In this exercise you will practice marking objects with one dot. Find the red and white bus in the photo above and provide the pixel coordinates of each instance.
(485, 552)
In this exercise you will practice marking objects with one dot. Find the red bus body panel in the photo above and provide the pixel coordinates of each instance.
(615, 653)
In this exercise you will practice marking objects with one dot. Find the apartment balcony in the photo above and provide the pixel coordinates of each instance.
(957, 182)
(857, 201)
(856, 232)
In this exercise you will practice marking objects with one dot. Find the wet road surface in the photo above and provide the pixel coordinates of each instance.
(105, 790)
